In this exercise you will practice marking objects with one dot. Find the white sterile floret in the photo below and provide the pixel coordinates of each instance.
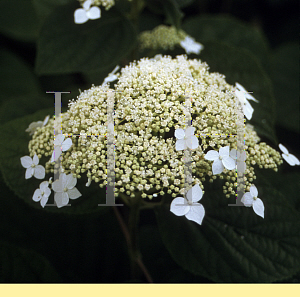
(221, 159)
(60, 142)
(250, 199)
(32, 167)
(243, 97)
(111, 76)
(82, 15)
(34, 125)
(42, 194)
(88, 182)
(186, 139)
(65, 189)
(188, 206)
(289, 158)
(191, 46)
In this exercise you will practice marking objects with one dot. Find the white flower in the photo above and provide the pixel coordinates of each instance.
(34, 125)
(189, 207)
(221, 159)
(82, 15)
(60, 142)
(240, 157)
(243, 97)
(291, 159)
(250, 199)
(42, 193)
(186, 139)
(111, 76)
(65, 189)
(32, 167)
(191, 46)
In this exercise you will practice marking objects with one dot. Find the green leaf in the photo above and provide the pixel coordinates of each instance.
(285, 76)
(233, 244)
(170, 8)
(19, 265)
(15, 146)
(19, 88)
(19, 20)
(231, 31)
(239, 65)
(66, 47)
(184, 3)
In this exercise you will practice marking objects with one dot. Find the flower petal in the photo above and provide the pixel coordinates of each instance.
(248, 110)
(58, 186)
(94, 13)
(258, 207)
(80, 16)
(289, 159)
(110, 78)
(61, 199)
(180, 145)
(190, 131)
(253, 191)
(195, 193)
(26, 161)
(179, 133)
(59, 139)
(44, 200)
(88, 182)
(87, 4)
(66, 144)
(192, 142)
(29, 172)
(47, 192)
(233, 154)
(224, 151)
(228, 163)
(196, 213)
(71, 181)
(250, 97)
(240, 87)
(211, 155)
(296, 160)
(39, 172)
(46, 120)
(74, 193)
(247, 199)
(44, 185)
(217, 167)
(37, 195)
(179, 206)
(283, 148)
(35, 159)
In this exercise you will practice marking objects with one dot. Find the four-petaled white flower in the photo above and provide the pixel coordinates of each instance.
(32, 167)
(188, 206)
(291, 159)
(186, 139)
(82, 15)
(63, 144)
(221, 159)
(250, 199)
(34, 125)
(42, 193)
(243, 97)
(111, 76)
(191, 46)
(239, 157)
(64, 189)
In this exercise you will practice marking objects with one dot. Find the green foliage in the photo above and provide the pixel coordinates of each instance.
(233, 244)
(16, 146)
(285, 75)
(19, 265)
(92, 46)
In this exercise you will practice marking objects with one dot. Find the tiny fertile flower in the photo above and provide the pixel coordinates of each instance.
(32, 167)
(221, 159)
(291, 159)
(188, 206)
(82, 15)
(60, 142)
(42, 193)
(250, 199)
(111, 76)
(34, 125)
(191, 46)
(65, 189)
(186, 139)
